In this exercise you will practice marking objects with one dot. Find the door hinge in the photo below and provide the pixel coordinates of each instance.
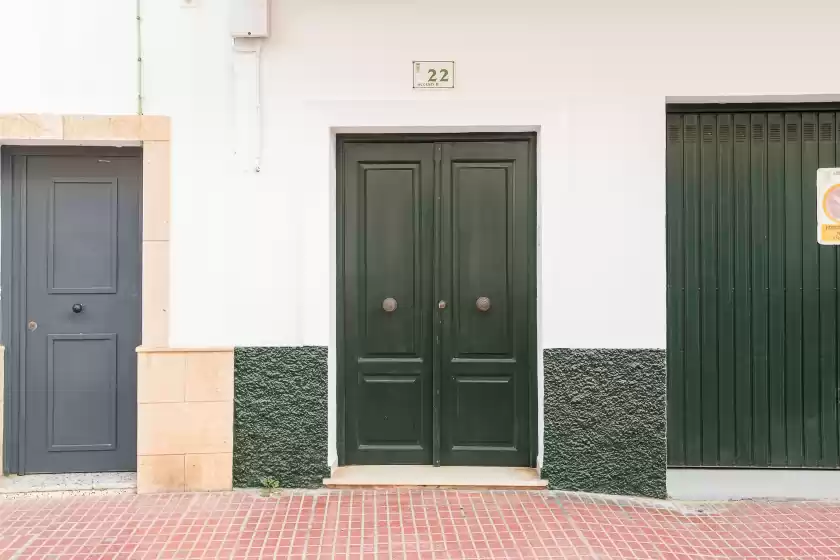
(438, 150)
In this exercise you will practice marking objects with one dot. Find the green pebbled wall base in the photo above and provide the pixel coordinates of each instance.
(605, 421)
(280, 416)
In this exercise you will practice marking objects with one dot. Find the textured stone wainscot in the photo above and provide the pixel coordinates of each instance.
(280, 416)
(605, 421)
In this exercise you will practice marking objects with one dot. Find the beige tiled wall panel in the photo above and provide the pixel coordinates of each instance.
(209, 426)
(185, 410)
(160, 377)
(209, 472)
(155, 293)
(188, 427)
(160, 473)
(154, 127)
(209, 377)
(156, 199)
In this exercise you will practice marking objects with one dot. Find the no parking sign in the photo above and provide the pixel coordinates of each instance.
(828, 206)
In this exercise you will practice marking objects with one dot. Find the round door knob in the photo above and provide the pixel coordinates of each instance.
(389, 305)
(482, 303)
(77, 308)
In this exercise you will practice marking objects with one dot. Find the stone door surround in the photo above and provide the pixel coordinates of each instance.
(185, 408)
(152, 133)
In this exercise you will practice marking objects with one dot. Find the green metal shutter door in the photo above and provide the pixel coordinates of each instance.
(752, 298)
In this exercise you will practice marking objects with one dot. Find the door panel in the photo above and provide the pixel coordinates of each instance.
(425, 222)
(80, 246)
(480, 248)
(389, 247)
(484, 350)
(81, 376)
(82, 259)
(475, 395)
(388, 252)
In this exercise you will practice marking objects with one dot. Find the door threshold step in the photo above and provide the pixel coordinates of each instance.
(427, 476)
(69, 484)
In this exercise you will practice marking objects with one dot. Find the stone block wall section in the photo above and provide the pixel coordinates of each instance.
(184, 419)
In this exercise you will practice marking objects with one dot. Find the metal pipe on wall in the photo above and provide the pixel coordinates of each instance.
(139, 20)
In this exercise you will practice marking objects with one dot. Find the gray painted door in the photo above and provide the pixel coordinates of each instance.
(80, 322)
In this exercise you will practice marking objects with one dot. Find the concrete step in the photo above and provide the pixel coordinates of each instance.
(66, 485)
(426, 476)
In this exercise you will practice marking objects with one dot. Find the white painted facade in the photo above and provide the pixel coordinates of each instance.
(55, 54)
(253, 256)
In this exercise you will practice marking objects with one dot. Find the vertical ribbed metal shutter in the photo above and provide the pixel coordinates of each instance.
(752, 298)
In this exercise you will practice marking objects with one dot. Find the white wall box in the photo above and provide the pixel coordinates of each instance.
(249, 18)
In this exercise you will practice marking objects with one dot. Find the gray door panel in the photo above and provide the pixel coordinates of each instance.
(80, 322)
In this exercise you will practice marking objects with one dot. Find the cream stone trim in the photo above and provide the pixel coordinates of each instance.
(185, 395)
(153, 133)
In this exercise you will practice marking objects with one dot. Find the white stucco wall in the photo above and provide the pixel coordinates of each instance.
(68, 56)
(253, 253)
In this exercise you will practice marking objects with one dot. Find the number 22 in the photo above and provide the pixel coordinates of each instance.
(433, 75)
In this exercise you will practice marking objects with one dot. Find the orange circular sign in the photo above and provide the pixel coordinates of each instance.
(831, 202)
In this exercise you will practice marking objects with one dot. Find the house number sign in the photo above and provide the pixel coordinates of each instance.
(433, 74)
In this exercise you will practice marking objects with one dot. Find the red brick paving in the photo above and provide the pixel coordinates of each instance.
(408, 524)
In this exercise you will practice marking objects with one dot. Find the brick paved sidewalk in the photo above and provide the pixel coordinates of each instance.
(411, 524)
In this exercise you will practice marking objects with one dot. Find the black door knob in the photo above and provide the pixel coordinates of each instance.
(77, 308)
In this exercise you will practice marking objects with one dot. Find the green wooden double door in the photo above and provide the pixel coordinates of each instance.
(436, 257)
